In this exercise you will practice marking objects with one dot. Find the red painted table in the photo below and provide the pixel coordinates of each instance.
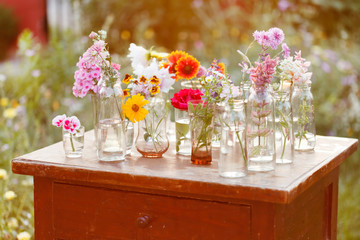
(169, 198)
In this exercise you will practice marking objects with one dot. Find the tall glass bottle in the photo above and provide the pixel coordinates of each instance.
(111, 135)
(260, 140)
(232, 161)
(284, 138)
(303, 116)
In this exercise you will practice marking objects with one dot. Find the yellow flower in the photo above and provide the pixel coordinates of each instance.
(155, 80)
(10, 113)
(3, 174)
(12, 223)
(127, 78)
(155, 90)
(9, 195)
(134, 108)
(23, 236)
(4, 102)
(143, 79)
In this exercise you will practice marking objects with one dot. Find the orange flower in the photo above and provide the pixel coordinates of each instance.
(155, 90)
(187, 67)
(143, 79)
(127, 78)
(221, 67)
(126, 92)
(155, 80)
(173, 59)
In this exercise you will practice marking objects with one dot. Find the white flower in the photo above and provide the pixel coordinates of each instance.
(9, 195)
(12, 223)
(3, 174)
(23, 236)
(138, 56)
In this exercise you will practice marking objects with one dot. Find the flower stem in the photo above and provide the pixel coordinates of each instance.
(72, 143)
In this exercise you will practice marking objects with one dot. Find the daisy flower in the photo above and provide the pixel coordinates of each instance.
(133, 108)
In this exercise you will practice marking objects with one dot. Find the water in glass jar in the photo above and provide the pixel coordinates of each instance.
(112, 144)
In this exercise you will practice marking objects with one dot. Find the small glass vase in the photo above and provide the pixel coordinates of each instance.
(129, 132)
(73, 143)
(95, 99)
(201, 128)
(232, 161)
(111, 133)
(219, 110)
(302, 103)
(260, 140)
(284, 138)
(183, 138)
(152, 140)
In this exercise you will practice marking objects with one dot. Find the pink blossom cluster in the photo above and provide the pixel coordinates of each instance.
(262, 74)
(68, 124)
(271, 38)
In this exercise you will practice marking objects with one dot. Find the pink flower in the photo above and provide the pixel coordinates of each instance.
(71, 124)
(116, 66)
(201, 72)
(262, 74)
(58, 120)
(271, 38)
(93, 35)
(286, 50)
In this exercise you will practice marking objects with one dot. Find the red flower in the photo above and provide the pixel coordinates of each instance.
(181, 99)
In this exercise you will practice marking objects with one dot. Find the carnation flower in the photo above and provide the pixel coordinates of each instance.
(181, 98)
(295, 69)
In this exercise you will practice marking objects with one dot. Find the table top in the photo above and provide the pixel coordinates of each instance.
(174, 174)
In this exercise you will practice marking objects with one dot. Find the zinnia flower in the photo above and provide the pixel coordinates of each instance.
(133, 108)
(187, 67)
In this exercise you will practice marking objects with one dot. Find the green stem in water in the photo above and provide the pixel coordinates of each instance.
(72, 143)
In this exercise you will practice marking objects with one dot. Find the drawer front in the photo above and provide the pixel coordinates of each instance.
(97, 213)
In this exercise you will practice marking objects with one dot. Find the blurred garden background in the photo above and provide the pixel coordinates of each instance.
(38, 64)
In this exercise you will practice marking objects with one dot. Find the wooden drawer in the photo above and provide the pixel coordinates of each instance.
(82, 212)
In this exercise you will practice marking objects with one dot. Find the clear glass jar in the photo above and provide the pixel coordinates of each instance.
(284, 138)
(183, 138)
(201, 128)
(302, 103)
(129, 128)
(232, 161)
(152, 140)
(111, 133)
(73, 142)
(260, 137)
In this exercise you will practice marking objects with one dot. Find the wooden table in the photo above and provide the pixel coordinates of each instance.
(169, 198)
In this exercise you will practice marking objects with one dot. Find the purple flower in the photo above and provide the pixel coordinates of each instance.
(214, 94)
(325, 67)
(286, 50)
(283, 5)
(201, 72)
(277, 37)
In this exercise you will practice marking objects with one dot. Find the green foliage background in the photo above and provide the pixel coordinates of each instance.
(39, 80)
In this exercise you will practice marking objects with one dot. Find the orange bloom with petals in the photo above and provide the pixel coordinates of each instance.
(173, 58)
(187, 67)
(155, 90)
(155, 80)
(221, 67)
(143, 79)
(127, 78)
(126, 92)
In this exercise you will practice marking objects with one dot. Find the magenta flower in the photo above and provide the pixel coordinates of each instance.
(116, 66)
(58, 120)
(271, 38)
(71, 124)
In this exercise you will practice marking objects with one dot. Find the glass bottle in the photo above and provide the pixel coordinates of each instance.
(260, 140)
(152, 140)
(183, 140)
(111, 135)
(232, 161)
(302, 103)
(284, 138)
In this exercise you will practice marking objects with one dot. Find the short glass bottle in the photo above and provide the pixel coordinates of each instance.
(73, 143)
